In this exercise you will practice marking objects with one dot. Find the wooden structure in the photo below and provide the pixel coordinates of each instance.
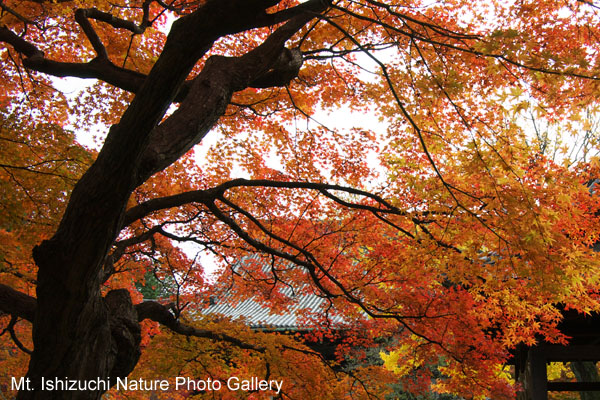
(584, 345)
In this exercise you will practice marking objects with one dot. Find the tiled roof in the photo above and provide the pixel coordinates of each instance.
(260, 316)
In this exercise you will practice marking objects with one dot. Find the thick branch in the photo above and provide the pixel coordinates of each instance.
(312, 6)
(113, 21)
(23, 306)
(269, 64)
(202, 196)
(21, 45)
(159, 313)
(81, 16)
(148, 207)
(16, 303)
(97, 68)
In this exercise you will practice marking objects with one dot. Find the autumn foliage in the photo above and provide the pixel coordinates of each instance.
(426, 167)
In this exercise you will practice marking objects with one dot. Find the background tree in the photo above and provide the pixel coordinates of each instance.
(459, 244)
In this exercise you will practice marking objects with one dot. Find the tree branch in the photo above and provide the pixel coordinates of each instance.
(113, 21)
(412, 34)
(20, 305)
(307, 260)
(312, 6)
(18, 15)
(159, 313)
(16, 303)
(13, 335)
(21, 45)
(269, 64)
(202, 196)
(97, 68)
(81, 16)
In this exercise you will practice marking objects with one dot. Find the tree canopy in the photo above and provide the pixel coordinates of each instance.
(426, 167)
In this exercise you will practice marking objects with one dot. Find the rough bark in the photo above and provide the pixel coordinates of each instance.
(16, 303)
(119, 341)
(123, 322)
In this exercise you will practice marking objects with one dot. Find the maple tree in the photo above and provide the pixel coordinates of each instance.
(461, 242)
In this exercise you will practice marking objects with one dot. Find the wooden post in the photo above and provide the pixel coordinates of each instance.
(532, 376)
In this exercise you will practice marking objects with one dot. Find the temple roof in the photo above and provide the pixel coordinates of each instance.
(303, 309)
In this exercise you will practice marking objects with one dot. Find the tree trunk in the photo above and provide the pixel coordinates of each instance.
(107, 343)
(77, 334)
